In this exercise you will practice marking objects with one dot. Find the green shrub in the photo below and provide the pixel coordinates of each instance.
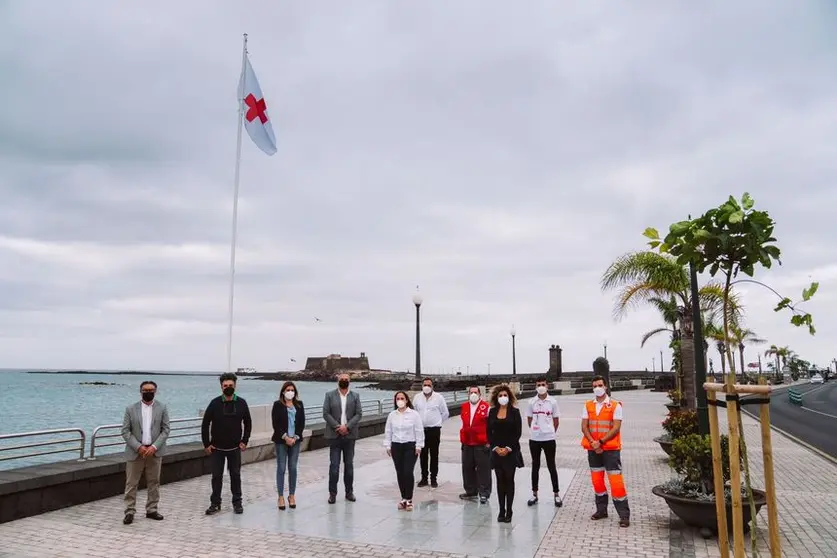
(691, 458)
(675, 396)
(681, 422)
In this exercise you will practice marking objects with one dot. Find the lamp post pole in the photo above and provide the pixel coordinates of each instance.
(514, 355)
(605, 350)
(417, 300)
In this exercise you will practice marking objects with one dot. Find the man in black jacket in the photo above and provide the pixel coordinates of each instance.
(224, 440)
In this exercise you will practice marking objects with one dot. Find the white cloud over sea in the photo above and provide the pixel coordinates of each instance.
(500, 155)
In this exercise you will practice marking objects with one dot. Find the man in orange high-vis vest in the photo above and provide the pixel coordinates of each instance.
(601, 423)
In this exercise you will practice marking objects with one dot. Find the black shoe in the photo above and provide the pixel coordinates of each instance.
(508, 517)
(422, 483)
(128, 519)
(213, 509)
(332, 498)
(558, 502)
(466, 496)
(239, 509)
(155, 516)
(501, 517)
(598, 515)
(434, 484)
(533, 501)
(624, 522)
(483, 499)
(350, 496)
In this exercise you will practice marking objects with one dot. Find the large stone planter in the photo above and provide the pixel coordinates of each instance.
(701, 514)
(665, 443)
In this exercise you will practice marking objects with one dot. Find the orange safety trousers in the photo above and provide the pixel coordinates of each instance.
(607, 462)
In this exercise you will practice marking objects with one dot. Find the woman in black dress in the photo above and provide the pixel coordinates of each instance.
(505, 427)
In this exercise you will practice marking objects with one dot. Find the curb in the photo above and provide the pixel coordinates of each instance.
(802, 443)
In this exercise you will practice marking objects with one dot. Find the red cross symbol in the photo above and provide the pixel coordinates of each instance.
(256, 108)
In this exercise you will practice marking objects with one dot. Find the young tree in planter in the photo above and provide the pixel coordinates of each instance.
(731, 239)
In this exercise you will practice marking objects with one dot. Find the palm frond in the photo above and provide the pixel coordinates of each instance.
(649, 334)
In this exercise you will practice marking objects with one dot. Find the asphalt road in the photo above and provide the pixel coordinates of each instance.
(815, 422)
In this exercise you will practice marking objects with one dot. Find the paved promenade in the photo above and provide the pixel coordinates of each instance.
(441, 525)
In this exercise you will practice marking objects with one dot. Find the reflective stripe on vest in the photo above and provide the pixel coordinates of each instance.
(601, 424)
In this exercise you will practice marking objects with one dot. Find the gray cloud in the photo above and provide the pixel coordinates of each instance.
(499, 156)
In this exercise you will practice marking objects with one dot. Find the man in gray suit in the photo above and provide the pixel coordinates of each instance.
(145, 429)
(342, 413)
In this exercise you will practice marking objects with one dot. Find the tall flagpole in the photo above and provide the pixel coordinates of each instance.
(235, 207)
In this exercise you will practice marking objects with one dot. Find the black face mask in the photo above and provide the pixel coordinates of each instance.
(148, 396)
(343, 384)
(228, 391)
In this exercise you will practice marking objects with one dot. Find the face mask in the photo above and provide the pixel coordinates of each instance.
(289, 394)
(401, 403)
(343, 384)
(228, 391)
(599, 391)
(148, 396)
(427, 390)
(541, 390)
(503, 400)
(474, 398)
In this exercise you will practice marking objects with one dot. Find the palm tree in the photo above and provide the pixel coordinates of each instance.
(742, 336)
(781, 354)
(644, 278)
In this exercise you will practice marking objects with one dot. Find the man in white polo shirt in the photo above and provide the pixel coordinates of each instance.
(543, 414)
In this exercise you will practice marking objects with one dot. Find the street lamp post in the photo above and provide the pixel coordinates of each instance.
(417, 300)
(605, 350)
(514, 355)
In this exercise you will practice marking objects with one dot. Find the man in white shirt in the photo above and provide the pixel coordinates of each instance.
(543, 416)
(433, 410)
(145, 428)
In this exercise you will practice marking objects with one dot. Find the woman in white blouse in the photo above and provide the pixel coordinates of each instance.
(403, 439)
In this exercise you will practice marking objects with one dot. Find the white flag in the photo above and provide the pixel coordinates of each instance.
(256, 120)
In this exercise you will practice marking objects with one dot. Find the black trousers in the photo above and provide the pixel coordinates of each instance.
(345, 448)
(504, 469)
(233, 461)
(548, 448)
(432, 437)
(404, 459)
(476, 470)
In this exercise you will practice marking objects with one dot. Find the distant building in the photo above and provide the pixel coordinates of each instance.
(336, 363)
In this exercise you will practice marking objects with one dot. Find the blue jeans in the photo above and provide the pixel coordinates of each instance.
(345, 448)
(286, 457)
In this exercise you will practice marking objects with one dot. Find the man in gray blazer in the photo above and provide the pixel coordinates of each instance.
(342, 413)
(145, 429)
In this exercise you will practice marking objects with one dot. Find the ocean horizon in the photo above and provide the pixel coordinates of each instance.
(85, 401)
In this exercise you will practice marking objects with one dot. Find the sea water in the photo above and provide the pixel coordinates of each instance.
(32, 402)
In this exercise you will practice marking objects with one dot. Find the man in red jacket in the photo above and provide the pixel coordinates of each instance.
(476, 467)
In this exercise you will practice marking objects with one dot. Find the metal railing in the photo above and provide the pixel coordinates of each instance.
(110, 435)
(190, 427)
(78, 442)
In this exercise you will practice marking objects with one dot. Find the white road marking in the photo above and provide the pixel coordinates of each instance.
(818, 412)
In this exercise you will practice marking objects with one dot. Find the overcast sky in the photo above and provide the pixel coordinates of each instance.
(499, 155)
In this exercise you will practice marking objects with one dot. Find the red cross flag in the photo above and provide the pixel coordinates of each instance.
(254, 109)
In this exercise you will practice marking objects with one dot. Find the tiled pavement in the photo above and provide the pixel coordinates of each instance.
(441, 525)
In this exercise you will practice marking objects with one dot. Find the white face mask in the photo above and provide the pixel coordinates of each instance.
(427, 390)
(474, 398)
(599, 391)
(289, 394)
(401, 403)
(503, 400)
(541, 390)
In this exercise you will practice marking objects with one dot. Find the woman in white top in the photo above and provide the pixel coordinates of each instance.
(403, 439)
